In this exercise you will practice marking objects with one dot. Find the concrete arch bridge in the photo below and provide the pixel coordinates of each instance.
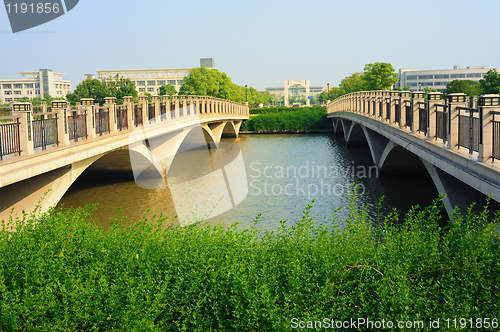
(46, 147)
(457, 140)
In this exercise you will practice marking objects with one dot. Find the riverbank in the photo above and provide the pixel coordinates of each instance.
(288, 120)
(60, 271)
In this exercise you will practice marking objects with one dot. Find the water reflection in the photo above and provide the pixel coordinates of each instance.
(284, 173)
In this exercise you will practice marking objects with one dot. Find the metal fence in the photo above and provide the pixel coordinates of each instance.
(151, 112)
(397, 111)
(9, 137)
(442, 122)
(137, 114)
(388, 109)
(422, 117)
(77, 126)
(469, 135)
(121, 117)
(102, 122)
(45, 132)
(496, 139)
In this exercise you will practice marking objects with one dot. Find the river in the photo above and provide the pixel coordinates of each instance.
(283, 173)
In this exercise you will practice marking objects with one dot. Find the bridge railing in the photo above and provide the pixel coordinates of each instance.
(458, 122)
(24, 127)
(9, 136)
(45, 130)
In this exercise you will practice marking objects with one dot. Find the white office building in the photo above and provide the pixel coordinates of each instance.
(150, 80)
(36, 84)
(437, 79)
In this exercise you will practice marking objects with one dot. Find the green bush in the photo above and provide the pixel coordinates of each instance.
(312, 118)
(61, 272)
(282, 109)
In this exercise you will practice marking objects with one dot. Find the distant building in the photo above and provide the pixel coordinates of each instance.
(295, 88)
(88, 76)
(207, 63)
(150, 80)
(36, 84)
(437, 79)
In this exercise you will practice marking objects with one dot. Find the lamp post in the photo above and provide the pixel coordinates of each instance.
(327, 93)
(246, 93)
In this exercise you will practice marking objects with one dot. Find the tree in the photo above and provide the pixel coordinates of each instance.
(120, 87)
(491, 82)
(90, 88)
(353, 83)
(469, 87)
(379, 76)
(168, 89)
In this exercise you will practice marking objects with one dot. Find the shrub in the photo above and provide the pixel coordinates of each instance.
(61, 272)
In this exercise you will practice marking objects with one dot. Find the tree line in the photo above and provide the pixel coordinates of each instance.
(381, 76)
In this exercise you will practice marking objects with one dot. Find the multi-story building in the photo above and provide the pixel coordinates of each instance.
(150, 80)
(437, 79)
(36, 84)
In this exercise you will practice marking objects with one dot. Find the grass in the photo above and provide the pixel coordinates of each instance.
(59, 271)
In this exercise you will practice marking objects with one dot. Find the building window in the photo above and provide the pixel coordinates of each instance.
(8, 92)
(171, 82)
(411, 77)
(151, 89)
(457, 76)
(426, 84)
(141, 83)
(151, 82)
(17, 92)
(37, 85)
(440, 83)
(7, 86)
(442, 76)
(182, 82)
(474, 75)
(30, 92)
(425, 77)
(7, 100)
(18, 86)
(412, 84)
(142, 89)
(28, 85)
(162, 82)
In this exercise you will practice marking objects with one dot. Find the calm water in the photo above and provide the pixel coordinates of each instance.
(284, 173)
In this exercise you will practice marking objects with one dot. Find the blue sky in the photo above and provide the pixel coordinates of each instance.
(259, 43)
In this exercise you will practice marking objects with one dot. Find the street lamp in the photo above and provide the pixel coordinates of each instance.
(246, 93)
(327, 93)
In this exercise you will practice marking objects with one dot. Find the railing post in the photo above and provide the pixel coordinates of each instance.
(25, 113)
(403, 102)
(455, 100)
(418, 97)
(177, 105)
(143, 101)
(155, 100)
(110, 104)
(167, 100)
(128, 102)
(433, 99)
(487, 104)
(61, 107)
(88, 105)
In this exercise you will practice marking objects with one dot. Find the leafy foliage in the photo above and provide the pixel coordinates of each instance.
(469, 87)
(287, 119)
(491, 82)
(117, 87)
(61, 272)
(168, 89)
(379, 76)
